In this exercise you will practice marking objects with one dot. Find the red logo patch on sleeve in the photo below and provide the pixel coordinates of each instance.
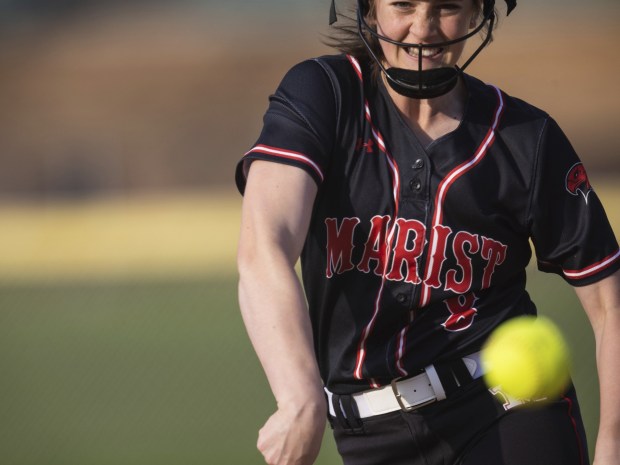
(577, 181)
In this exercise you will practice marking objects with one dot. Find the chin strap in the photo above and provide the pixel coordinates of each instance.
(422, 85)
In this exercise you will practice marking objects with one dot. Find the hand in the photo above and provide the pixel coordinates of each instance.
(293, 435)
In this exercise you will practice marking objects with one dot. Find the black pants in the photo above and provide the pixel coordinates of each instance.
(471, 427)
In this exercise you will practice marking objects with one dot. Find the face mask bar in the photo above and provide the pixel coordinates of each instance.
(423, 84)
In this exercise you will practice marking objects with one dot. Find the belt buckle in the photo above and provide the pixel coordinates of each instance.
(399, 398)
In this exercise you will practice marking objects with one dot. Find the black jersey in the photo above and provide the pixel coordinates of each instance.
(416, 253)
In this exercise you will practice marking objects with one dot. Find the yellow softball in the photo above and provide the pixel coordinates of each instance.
(527, 358)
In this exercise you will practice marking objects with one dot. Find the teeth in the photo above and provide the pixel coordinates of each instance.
(426, 52)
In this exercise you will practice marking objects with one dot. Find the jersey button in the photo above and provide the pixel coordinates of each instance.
(402, 298)
(418, 164)
(415, 185)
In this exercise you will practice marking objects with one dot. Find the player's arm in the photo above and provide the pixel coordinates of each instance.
(601, 302)
(276, 213)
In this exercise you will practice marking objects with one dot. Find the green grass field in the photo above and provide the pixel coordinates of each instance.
(150, 372)
(121, 341)
(160, 371)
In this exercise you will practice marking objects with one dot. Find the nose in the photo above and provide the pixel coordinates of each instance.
(423, 24)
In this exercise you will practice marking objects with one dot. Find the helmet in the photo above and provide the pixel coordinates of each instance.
(423, 84)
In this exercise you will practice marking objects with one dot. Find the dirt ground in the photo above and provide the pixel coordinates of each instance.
(135, 101)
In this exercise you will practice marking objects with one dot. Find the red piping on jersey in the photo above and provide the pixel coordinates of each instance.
(400, 352)
(592, 269)
(574, 423)
(288, 154)
(447, 182)
(361, 350)
(356, 66)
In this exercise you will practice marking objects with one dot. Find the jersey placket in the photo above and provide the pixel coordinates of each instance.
(410, 247)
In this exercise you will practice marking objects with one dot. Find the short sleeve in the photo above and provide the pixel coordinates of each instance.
(299, 127)
(569, 228)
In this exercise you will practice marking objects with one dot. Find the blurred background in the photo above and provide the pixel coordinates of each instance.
(120, 126)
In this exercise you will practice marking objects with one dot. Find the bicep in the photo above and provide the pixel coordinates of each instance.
(276, 212)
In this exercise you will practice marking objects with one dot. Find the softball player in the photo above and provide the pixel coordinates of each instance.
(411, 190)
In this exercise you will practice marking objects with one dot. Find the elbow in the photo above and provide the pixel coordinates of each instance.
(260, 259)
(247, 261)
(254, 266)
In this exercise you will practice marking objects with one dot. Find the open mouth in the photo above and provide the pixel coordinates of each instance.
(427, 52)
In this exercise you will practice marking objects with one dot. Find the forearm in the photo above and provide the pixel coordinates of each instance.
(276, 318)
(274, 311)
(608, 355)
(601, 302)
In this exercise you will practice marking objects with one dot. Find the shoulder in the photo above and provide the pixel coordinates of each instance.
(328, 88)
(511, 104)
(517, 119)
(336, 71)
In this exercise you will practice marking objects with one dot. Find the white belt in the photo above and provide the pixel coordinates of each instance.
(406, 394)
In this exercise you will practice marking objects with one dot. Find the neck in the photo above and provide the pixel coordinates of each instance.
(432, 118)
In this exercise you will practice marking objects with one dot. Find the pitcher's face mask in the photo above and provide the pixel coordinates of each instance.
(423, 83)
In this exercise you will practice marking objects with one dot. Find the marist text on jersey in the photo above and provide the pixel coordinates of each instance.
(394, 253)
